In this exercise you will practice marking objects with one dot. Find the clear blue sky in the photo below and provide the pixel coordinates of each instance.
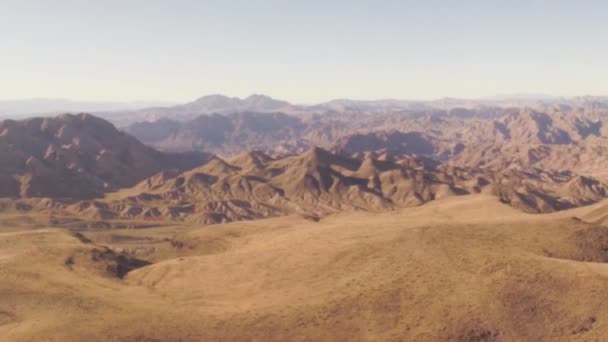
(302, 51)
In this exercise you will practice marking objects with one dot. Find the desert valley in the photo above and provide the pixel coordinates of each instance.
(255, 219)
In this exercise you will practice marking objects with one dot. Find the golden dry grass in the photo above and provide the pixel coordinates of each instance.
(461, 269)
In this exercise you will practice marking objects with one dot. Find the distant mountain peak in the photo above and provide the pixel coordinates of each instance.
(259, 96)
(217, 103)
(214, 97)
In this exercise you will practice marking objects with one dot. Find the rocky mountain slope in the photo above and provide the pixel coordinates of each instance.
(397, 143)
(277, 133)
(536, 161)
(223, 134)
(76, 156)
(448, 131)
(589, 157)
(317, 183)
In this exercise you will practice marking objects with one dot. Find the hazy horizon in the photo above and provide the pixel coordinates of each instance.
(300, 52)
(135, 104)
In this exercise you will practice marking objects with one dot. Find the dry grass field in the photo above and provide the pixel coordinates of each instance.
(462, 269)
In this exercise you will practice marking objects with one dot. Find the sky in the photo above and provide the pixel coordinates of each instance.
(301, 51)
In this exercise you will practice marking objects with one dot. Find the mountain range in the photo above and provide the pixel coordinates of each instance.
(92, 170)
(554, 137)
(318, 183)
(453, 220)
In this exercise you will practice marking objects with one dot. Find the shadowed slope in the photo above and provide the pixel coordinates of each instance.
(76, 156)
(317, 183)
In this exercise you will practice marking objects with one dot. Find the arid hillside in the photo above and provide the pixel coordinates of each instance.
(76, 156)
(318, 183)
(461, 269)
